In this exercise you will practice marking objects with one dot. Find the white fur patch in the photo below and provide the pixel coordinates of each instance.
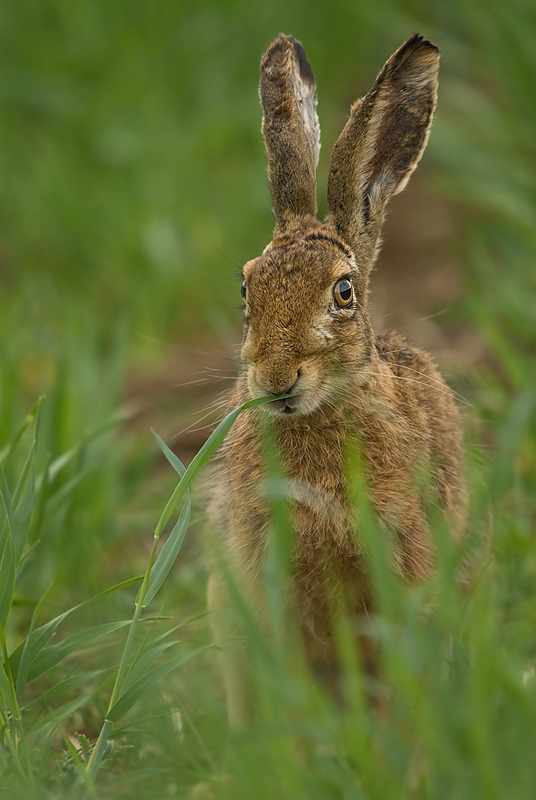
(306, 102)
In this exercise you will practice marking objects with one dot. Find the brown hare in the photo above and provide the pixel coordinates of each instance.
(308, 340)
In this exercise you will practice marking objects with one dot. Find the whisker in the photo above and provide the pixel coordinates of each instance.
(195, 430)
(221, 399)
(448, 393)
(431, 316)
(196, 422)
(413, 322)
(431, 380)
(227, 258)
(215, 404)
(434, 380)
(206, 379)
(383, 316)
(217, 353)
(430, 384)
(352, 401)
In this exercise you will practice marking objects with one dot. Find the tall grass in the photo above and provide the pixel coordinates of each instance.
(133, 185)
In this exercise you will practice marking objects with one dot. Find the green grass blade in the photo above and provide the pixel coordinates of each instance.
(25, 656)
(7, 692)
(42, 635)
(168, 554)
(56, 717)
(43, 760)
(116, 588)
(8, 449)
(7, 579)
(6, 500)
(144, 662)
(203, 456)
(7, 558)
(23, 514)
(515, 431)
(174, 460)
(65, 687)
(133, 694)
(35, 642)
(59, 463)
(80, 767)
(50, 656)
(30, 460)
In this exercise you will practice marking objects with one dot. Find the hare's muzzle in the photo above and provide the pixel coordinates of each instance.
(297, 383)
(280, 386)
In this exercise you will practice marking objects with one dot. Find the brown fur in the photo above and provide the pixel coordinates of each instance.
(352, 391)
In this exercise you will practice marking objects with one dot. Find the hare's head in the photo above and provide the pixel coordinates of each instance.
(307, 328)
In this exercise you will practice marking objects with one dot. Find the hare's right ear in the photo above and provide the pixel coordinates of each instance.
(382, 143)
(290, 129)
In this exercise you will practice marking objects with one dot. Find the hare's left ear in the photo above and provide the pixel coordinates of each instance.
(382, 142)
(290, 129)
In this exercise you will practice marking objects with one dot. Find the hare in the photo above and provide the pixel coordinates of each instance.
(308, 341)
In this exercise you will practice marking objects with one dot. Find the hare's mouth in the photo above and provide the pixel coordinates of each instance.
(295, 405)
(286, 405)
(301, 399)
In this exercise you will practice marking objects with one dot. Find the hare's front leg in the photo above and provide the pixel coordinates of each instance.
(228, 634)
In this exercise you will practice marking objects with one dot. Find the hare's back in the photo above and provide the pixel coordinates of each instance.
(404, 358)
(417, 380)
(428, 403)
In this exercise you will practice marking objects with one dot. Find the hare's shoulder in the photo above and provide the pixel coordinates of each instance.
(393, 348)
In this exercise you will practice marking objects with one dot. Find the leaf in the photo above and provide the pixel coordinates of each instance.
(6, 451)
(7, 579)
(22, 503)
(174, 460)
(79, 764)
(7, 558)
(65, 687)
(168, 553)
(6, 500)
(128, 698)
(50, 656)
(24, 475)
(116, 588)
(203, 456)
(25, 656)
(57, 716)
(42, 635)
(59, 463)
(35, 642)
(144, 662)
(6, 689)
(23, 513)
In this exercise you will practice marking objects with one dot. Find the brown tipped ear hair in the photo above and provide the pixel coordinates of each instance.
(383, 141)
(290, 129)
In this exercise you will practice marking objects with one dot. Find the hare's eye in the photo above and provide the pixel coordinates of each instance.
(243, 290)
(343, 293)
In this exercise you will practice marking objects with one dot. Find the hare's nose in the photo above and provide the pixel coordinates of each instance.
(289, 390)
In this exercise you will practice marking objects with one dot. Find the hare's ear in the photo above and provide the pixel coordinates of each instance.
(382, 142)
(290, 129)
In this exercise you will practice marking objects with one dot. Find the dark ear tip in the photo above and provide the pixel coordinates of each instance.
(288, 44)
(306, 71)
(416, 52)
(417, 43)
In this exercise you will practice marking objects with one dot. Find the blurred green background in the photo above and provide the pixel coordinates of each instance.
(133, 188)
(133, 172)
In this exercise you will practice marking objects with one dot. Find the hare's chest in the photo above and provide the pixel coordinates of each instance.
(317, 490)
(313, 483)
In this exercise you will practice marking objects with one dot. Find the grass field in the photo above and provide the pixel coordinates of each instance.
(133, 189)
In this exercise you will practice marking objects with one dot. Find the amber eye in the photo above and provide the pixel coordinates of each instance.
(343, 293)
(243, 290)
